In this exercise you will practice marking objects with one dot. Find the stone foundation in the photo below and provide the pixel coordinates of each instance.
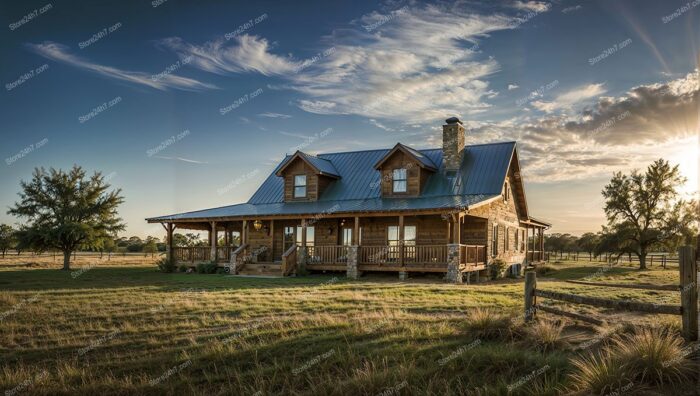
(352, 272)
(454, 275)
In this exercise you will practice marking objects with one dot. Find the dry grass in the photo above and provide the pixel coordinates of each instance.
(131, 330)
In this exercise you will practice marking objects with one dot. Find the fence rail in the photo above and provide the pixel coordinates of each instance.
(688, 289)
(333, 254)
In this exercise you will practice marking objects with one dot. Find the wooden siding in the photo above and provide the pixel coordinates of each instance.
(506, 216)
(413, 175)
(315, 184)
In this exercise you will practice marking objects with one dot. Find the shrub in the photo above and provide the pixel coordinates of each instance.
(210, 268)
(599, 373)
(488, 324)
(545, 335)
(497, 269)
(201, 269)
(182, 268)
(544, 270)
(656, 354)
(165, 265)
(220, 270)
(648, 356)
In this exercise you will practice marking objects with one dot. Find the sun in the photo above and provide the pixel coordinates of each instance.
(687, 157)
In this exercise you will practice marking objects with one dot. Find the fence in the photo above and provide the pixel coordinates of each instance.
(688, 287)
(653, 258)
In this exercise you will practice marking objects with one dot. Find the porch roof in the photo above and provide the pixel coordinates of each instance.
(331, 207)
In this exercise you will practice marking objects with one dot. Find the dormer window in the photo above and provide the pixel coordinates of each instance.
(300, 186)
(506, 193)
(400, 180)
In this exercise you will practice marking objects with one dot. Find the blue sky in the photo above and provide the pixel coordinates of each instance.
(190, 105)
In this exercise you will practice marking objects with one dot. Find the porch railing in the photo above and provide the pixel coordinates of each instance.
(425, 254)
(289, 261)
(192, 254)
(334, 254)
(472, 255)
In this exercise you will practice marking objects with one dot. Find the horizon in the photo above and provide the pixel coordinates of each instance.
(188, 107)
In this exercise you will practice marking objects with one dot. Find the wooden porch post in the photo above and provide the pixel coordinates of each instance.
(541, 243)
(272, 240)
(213, 235)
(527, 245)
(244, 232)
(356, 232)
(169, 241)
(401, 236)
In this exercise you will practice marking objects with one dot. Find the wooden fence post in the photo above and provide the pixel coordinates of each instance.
(689, 292)
(530, 286)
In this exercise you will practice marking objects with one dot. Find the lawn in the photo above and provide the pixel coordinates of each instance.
(126, 329)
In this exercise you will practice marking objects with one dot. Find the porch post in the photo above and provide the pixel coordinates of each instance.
(402, 274)
(356, 232)
(454, 275)
(353, 252)
(303, 252)
(527, 245)
(541, 244)
(272, 240)
(169, 241)
(213, 236)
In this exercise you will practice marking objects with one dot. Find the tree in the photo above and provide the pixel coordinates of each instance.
(150, 246)
(7, 238)
(587, 243)
(66, 210)
(110, 247)
(640, 209)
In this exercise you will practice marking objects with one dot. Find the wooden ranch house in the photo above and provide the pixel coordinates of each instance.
(451, 210)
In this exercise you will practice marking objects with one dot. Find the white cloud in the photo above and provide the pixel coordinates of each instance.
(191, 161)
(615, 133)
(274, 115)
(380, 125)
(571, 98)
(534, 6)
(513, 86)
(571, 9)
(415, 67)
(61, 53)
(245, 53)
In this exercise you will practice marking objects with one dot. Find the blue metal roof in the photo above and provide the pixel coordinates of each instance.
(325, 166)
(480, 177)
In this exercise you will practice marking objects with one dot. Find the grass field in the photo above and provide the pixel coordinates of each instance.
(118, 328)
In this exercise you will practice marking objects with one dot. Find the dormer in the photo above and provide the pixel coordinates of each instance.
(404, 171)
(306, 177)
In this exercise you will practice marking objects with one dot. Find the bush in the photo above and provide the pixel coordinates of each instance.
(647, 357)
(165, 265)
(544, 270)
(497, 269)
(488, 324)
(656, 354)
(220, 270)
(182, 268)
(210, 268)
(201, 269)
(545, 335)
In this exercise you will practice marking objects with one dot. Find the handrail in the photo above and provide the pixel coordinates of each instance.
(289, 260)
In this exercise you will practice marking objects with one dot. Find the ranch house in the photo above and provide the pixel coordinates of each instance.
(452, 210)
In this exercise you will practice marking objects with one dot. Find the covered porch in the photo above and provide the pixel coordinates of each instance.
(430, 242)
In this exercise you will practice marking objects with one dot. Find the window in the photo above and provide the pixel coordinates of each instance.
(506, 192)
(522, 241)
(409, 239)
(310, 233)
(347, 236)
(517, 239)
(400, 184)
(506, 237)
(494, 240)
(300, 186)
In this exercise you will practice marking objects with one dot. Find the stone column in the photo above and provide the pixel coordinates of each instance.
(453, 273)
(352, 272)
(403, 275)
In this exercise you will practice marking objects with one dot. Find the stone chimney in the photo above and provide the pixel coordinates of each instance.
(452, 143)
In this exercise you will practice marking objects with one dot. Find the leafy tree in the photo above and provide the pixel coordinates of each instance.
(150, 246)
(7, 238)
(643, 211)
(66, 210)
(179, 240)
(587, 243)
(110, 247)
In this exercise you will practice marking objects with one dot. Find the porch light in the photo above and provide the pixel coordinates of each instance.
(257, 224)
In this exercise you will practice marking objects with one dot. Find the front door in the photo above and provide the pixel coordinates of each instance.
(288, 239)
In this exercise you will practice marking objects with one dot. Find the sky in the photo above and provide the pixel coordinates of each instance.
(190, 105)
